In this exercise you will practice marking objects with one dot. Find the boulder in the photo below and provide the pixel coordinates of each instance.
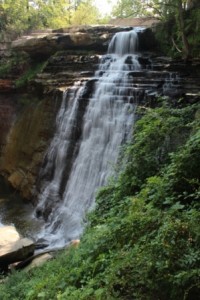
(13, 247)
(74, 243)
(39, 261)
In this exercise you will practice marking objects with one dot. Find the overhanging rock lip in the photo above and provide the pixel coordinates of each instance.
(90, 38)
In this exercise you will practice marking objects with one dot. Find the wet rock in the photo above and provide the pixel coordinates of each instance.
(13, 247)
(33, 261)
(41, 244)
(147, 40)
(39, 261)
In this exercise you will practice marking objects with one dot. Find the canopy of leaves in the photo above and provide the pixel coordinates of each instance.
(129, 8)
(86, 13)
(157, 8)
(21, 15)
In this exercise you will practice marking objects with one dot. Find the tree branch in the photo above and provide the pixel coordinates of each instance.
(174, 44)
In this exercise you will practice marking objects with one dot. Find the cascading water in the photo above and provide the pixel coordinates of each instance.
(59, 148)
(107, 124)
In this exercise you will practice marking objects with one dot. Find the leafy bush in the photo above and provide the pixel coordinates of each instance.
(29, 74)
(19, 66)
(14, 65)
(158, 133)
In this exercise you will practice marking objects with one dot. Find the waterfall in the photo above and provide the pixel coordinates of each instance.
(59, 148)
(107, 124)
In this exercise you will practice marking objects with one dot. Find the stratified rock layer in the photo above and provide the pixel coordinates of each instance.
(89, 38)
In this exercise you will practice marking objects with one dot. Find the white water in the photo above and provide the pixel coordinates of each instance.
(107, 125)
(58, 148)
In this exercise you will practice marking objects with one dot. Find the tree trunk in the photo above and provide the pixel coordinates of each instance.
(192, 4)
(186, 46)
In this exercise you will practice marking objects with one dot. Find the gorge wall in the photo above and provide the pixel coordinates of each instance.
(26, 142)
(72, 55)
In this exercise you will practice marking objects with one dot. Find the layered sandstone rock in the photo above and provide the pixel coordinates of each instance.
(89, 38)
(46, 44)
(26, 143)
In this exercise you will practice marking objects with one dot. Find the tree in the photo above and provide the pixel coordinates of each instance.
(164, 10)
(86, 13)
(129, 8)
(192, 4)
(181, 25)
(53, 14)
(3, 18)
(20, 15)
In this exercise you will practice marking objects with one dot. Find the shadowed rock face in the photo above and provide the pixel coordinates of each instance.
(7, 114)
(26, 143)
(33, 127)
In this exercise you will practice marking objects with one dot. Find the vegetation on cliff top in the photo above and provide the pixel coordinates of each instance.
(20, 68)
(181, 16)
(22, 15)
(142, 241)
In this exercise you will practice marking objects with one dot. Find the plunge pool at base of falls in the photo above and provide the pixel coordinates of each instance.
(17, 212)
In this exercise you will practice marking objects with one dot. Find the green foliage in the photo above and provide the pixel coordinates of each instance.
(158, 133)
(143, 239)
(14, 64)
(129, 8)
(24, 15)
(29, 74)
(173, 37)
(5, 68)
(192, 27)
(86, 13)
(21, 68)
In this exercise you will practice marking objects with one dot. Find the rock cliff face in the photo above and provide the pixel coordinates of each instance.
(7, 114)
(26, 143)
(70, 55)
(88, 38)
